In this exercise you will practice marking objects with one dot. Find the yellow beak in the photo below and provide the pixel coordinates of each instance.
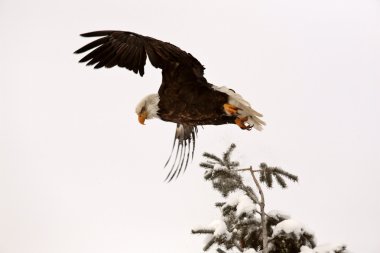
(142, 118)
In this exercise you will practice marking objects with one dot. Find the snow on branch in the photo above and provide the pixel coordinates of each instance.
(244, 225)
(326, 248)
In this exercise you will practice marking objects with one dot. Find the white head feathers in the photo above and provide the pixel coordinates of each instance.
(149, 105)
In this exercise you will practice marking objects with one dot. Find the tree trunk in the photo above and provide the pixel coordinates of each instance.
(262, 210)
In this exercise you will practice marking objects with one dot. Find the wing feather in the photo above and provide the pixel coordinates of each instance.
(125, 56)
(130, 50)
(107, 57)
(93, 53)
(92, 45)
(97, 33)
(101, 53)
(112, 61)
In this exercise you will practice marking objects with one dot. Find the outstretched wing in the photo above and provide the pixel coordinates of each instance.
(183, 147)
(130, 50)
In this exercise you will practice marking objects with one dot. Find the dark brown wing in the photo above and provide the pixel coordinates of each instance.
(129, 50)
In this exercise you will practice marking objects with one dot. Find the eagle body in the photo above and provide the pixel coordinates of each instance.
(202, 106)
(185, 97)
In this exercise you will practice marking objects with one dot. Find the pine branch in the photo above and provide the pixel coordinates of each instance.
(220, 204)
(224, 180)
(263, 216)
(280, 180)
(207, 165)
(263, 166)
(209, 244)
(208, 175)
(213, 157)
(238, 246)
(234, 164)
(262, 176)
(250, 193)
(227, 154)
(268, 178)
(286, 174)
(219, 250)
(248, 222)
(202, 231)
(246, 169)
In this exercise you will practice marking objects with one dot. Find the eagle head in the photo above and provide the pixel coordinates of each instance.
(148, 108)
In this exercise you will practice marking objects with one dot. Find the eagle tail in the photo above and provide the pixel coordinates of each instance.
(244, 108)
(254, 118)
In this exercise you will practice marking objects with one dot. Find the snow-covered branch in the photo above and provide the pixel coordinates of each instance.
(244, 225)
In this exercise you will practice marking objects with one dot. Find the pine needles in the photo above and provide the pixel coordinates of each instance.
(267, 174)
(226, 178)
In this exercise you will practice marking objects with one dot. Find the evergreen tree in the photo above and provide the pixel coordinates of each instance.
(244, 224)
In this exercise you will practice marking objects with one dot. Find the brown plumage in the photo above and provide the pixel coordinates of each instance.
(184, 97)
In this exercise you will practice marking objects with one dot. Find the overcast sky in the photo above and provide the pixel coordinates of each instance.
(79, 174)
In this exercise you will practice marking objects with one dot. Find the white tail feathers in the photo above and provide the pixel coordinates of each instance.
(245, 109)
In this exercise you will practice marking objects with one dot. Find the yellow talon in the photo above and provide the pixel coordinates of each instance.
(241, 123)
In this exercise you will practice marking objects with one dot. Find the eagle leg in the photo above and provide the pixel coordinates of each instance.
(230, 109)
(241, 123)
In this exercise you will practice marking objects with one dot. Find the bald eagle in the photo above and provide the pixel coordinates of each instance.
(185, 97)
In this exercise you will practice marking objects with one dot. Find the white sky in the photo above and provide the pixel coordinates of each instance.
(79, 174)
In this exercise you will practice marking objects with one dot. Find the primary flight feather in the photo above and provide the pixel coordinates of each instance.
(184, 97)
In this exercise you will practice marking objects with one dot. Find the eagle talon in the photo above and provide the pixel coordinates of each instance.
(241, 123)
(230, 109)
